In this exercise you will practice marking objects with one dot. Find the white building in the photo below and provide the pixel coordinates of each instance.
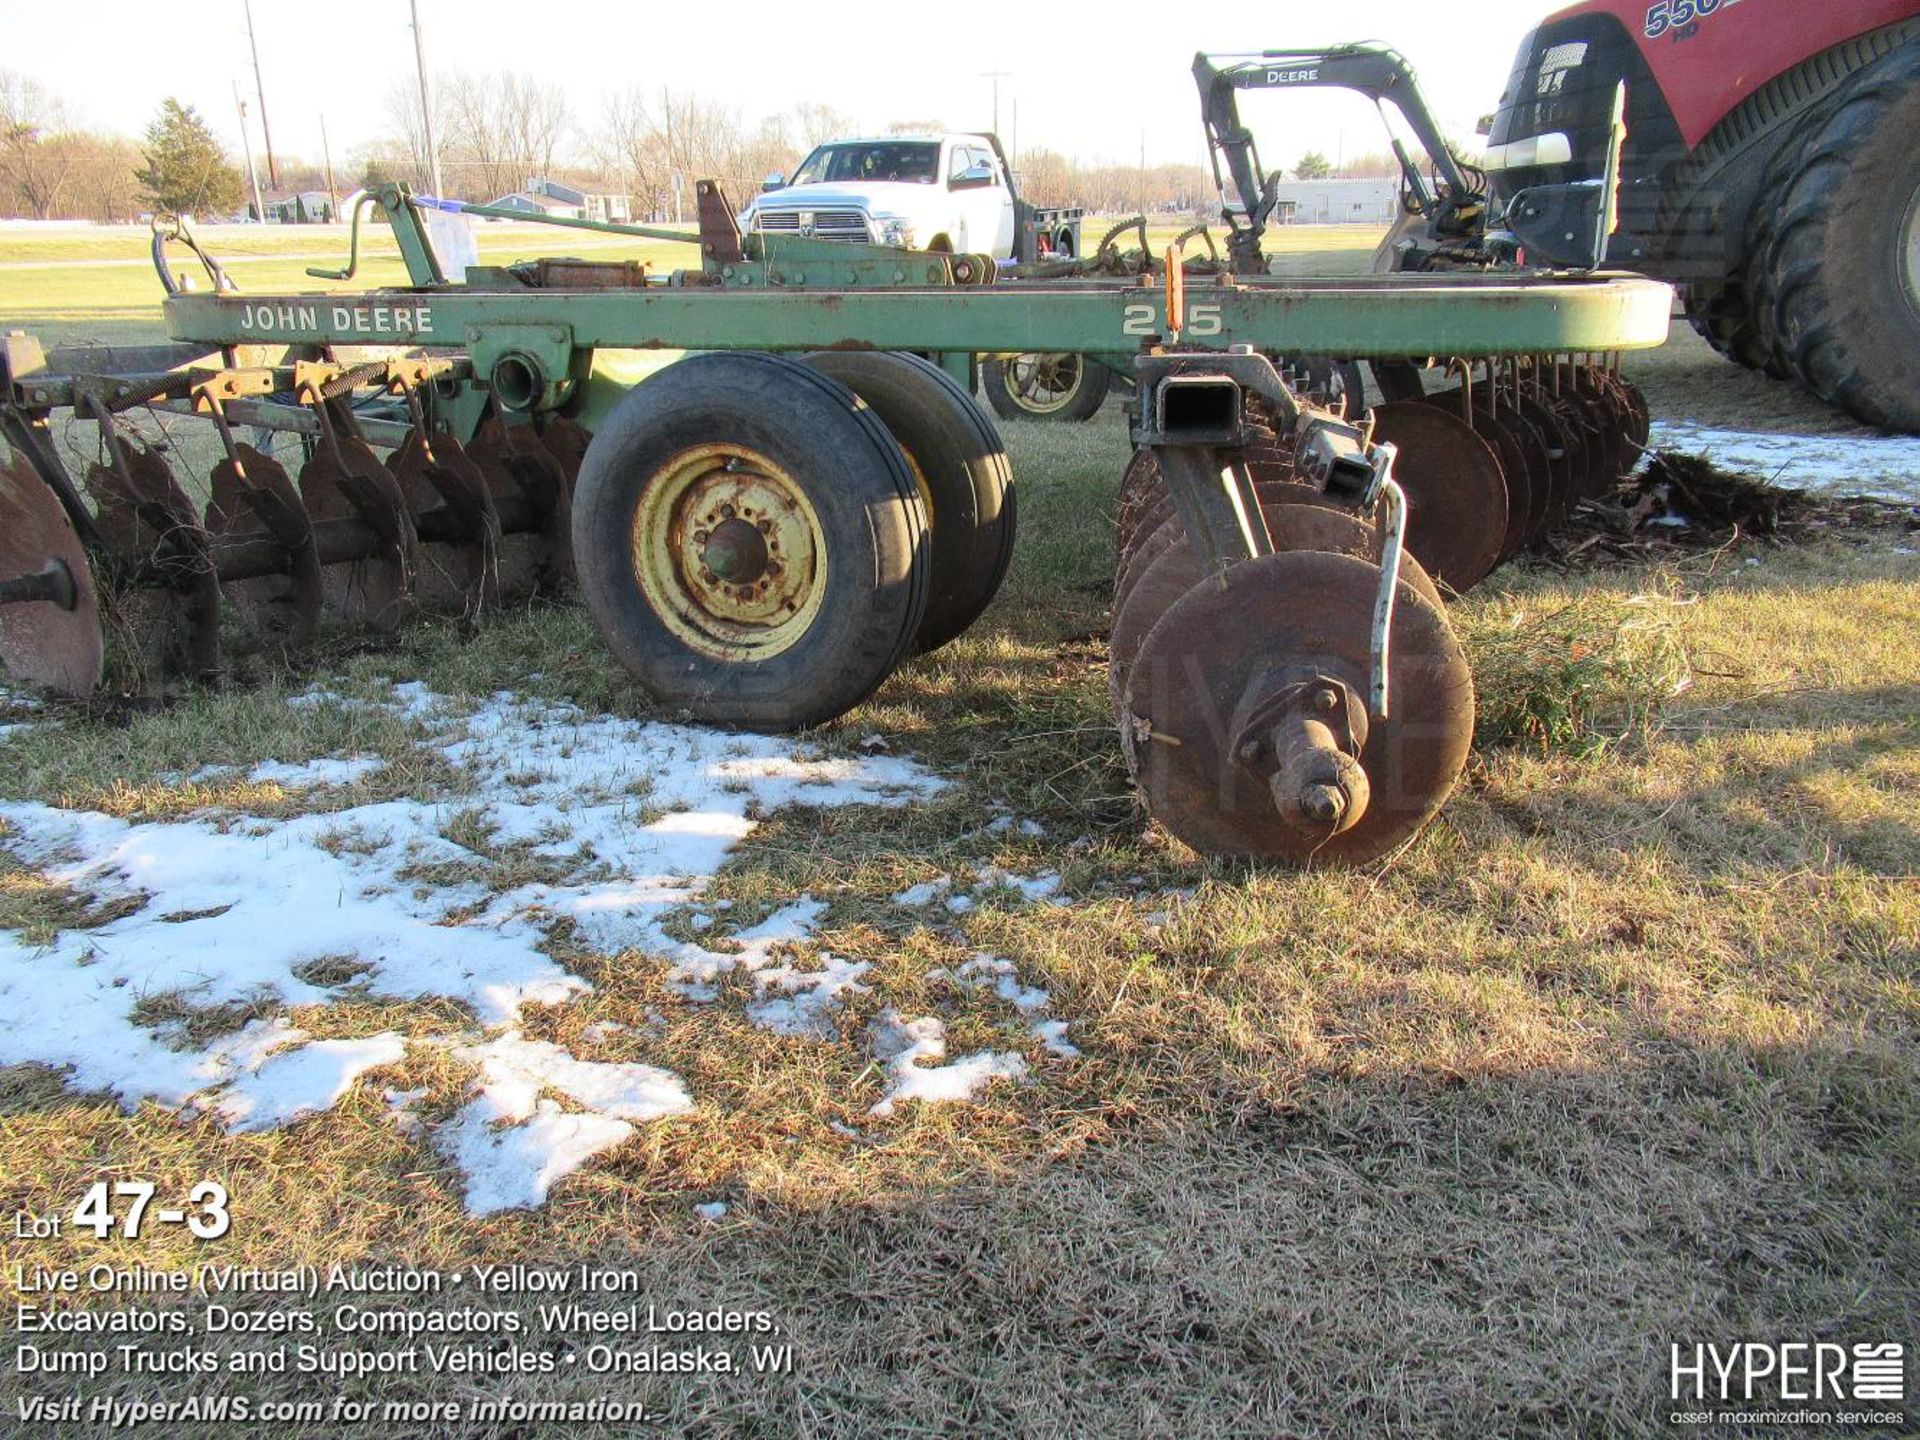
(542, 196)
(1337, 202)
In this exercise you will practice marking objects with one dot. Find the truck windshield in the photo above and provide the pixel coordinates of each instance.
(916, 162)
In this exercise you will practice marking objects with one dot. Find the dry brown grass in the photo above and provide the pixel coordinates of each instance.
(1622, 1052)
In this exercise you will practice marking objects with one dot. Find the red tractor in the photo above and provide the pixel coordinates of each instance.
(1771, 168)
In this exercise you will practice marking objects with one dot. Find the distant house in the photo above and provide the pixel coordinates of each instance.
(529, 202)
(541, 196)
(297, 207)
(1336, 202)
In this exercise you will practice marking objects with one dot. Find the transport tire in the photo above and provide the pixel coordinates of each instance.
(1046, 386)
(960, 468)
(1845, 260)
(751, 541)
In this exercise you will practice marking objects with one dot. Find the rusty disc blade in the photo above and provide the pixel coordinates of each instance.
(1491, 427)
(1140, 486)
(517, 465)
(1178, 569)
(1219, 653)
(1456, 493)
(145, 517)
(566, 440)
(449, 496)
(377, 591)
(253, 497)
(1535, 475)
(1561, 460)
(1604, 440)
(50, 643)
(1170, 529)
(1145, 503)
(1501, 430)
(1617, 411)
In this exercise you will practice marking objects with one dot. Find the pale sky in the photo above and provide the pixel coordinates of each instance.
(1090, 79)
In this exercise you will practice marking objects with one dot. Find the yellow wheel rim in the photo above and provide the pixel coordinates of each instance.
(729, 553)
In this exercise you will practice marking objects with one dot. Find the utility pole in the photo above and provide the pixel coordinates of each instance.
(426, 102)
(326, 151)
(260, 89)
(996, 76)
(246, 145)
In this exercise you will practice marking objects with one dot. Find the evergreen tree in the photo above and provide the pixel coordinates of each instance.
(186, 170)
(1313, 166)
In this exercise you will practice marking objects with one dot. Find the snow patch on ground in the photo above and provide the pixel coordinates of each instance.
(344, 771)
(999, 975)
(901, 1045)
(303, 1081)
(1045, 887)
(638, 816)
(1857, 462)
(513, 1143)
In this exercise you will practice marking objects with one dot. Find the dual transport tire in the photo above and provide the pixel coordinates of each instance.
(762, 540)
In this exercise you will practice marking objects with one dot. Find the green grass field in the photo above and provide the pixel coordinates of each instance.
(1620, 1053)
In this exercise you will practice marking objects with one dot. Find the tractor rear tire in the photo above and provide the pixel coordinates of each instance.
(1722, 315)
(751, 541)
(1845, 260)
(1735, 315)
(965, 478)
(1050, 386)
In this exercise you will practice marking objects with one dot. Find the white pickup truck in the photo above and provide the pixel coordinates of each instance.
(921, 192)
(939, 192)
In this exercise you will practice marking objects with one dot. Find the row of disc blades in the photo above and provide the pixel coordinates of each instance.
(1489, 466)
(436, 524)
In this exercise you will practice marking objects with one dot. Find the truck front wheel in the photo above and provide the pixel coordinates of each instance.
(1046, 386)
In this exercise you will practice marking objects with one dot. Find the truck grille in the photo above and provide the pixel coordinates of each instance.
(821, 224)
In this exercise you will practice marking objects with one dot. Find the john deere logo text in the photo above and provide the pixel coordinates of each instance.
(340, 319)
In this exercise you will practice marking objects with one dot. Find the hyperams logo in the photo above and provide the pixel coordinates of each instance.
(1812, 1382)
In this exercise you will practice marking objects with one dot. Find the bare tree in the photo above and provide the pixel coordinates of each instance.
(659, 146)
(1378, 165)
(1046, 178)
(402, 153)
(502, 129)
(102, 186)
(815, 124)
(36, 153)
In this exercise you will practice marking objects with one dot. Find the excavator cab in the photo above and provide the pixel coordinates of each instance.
(1447, 200)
